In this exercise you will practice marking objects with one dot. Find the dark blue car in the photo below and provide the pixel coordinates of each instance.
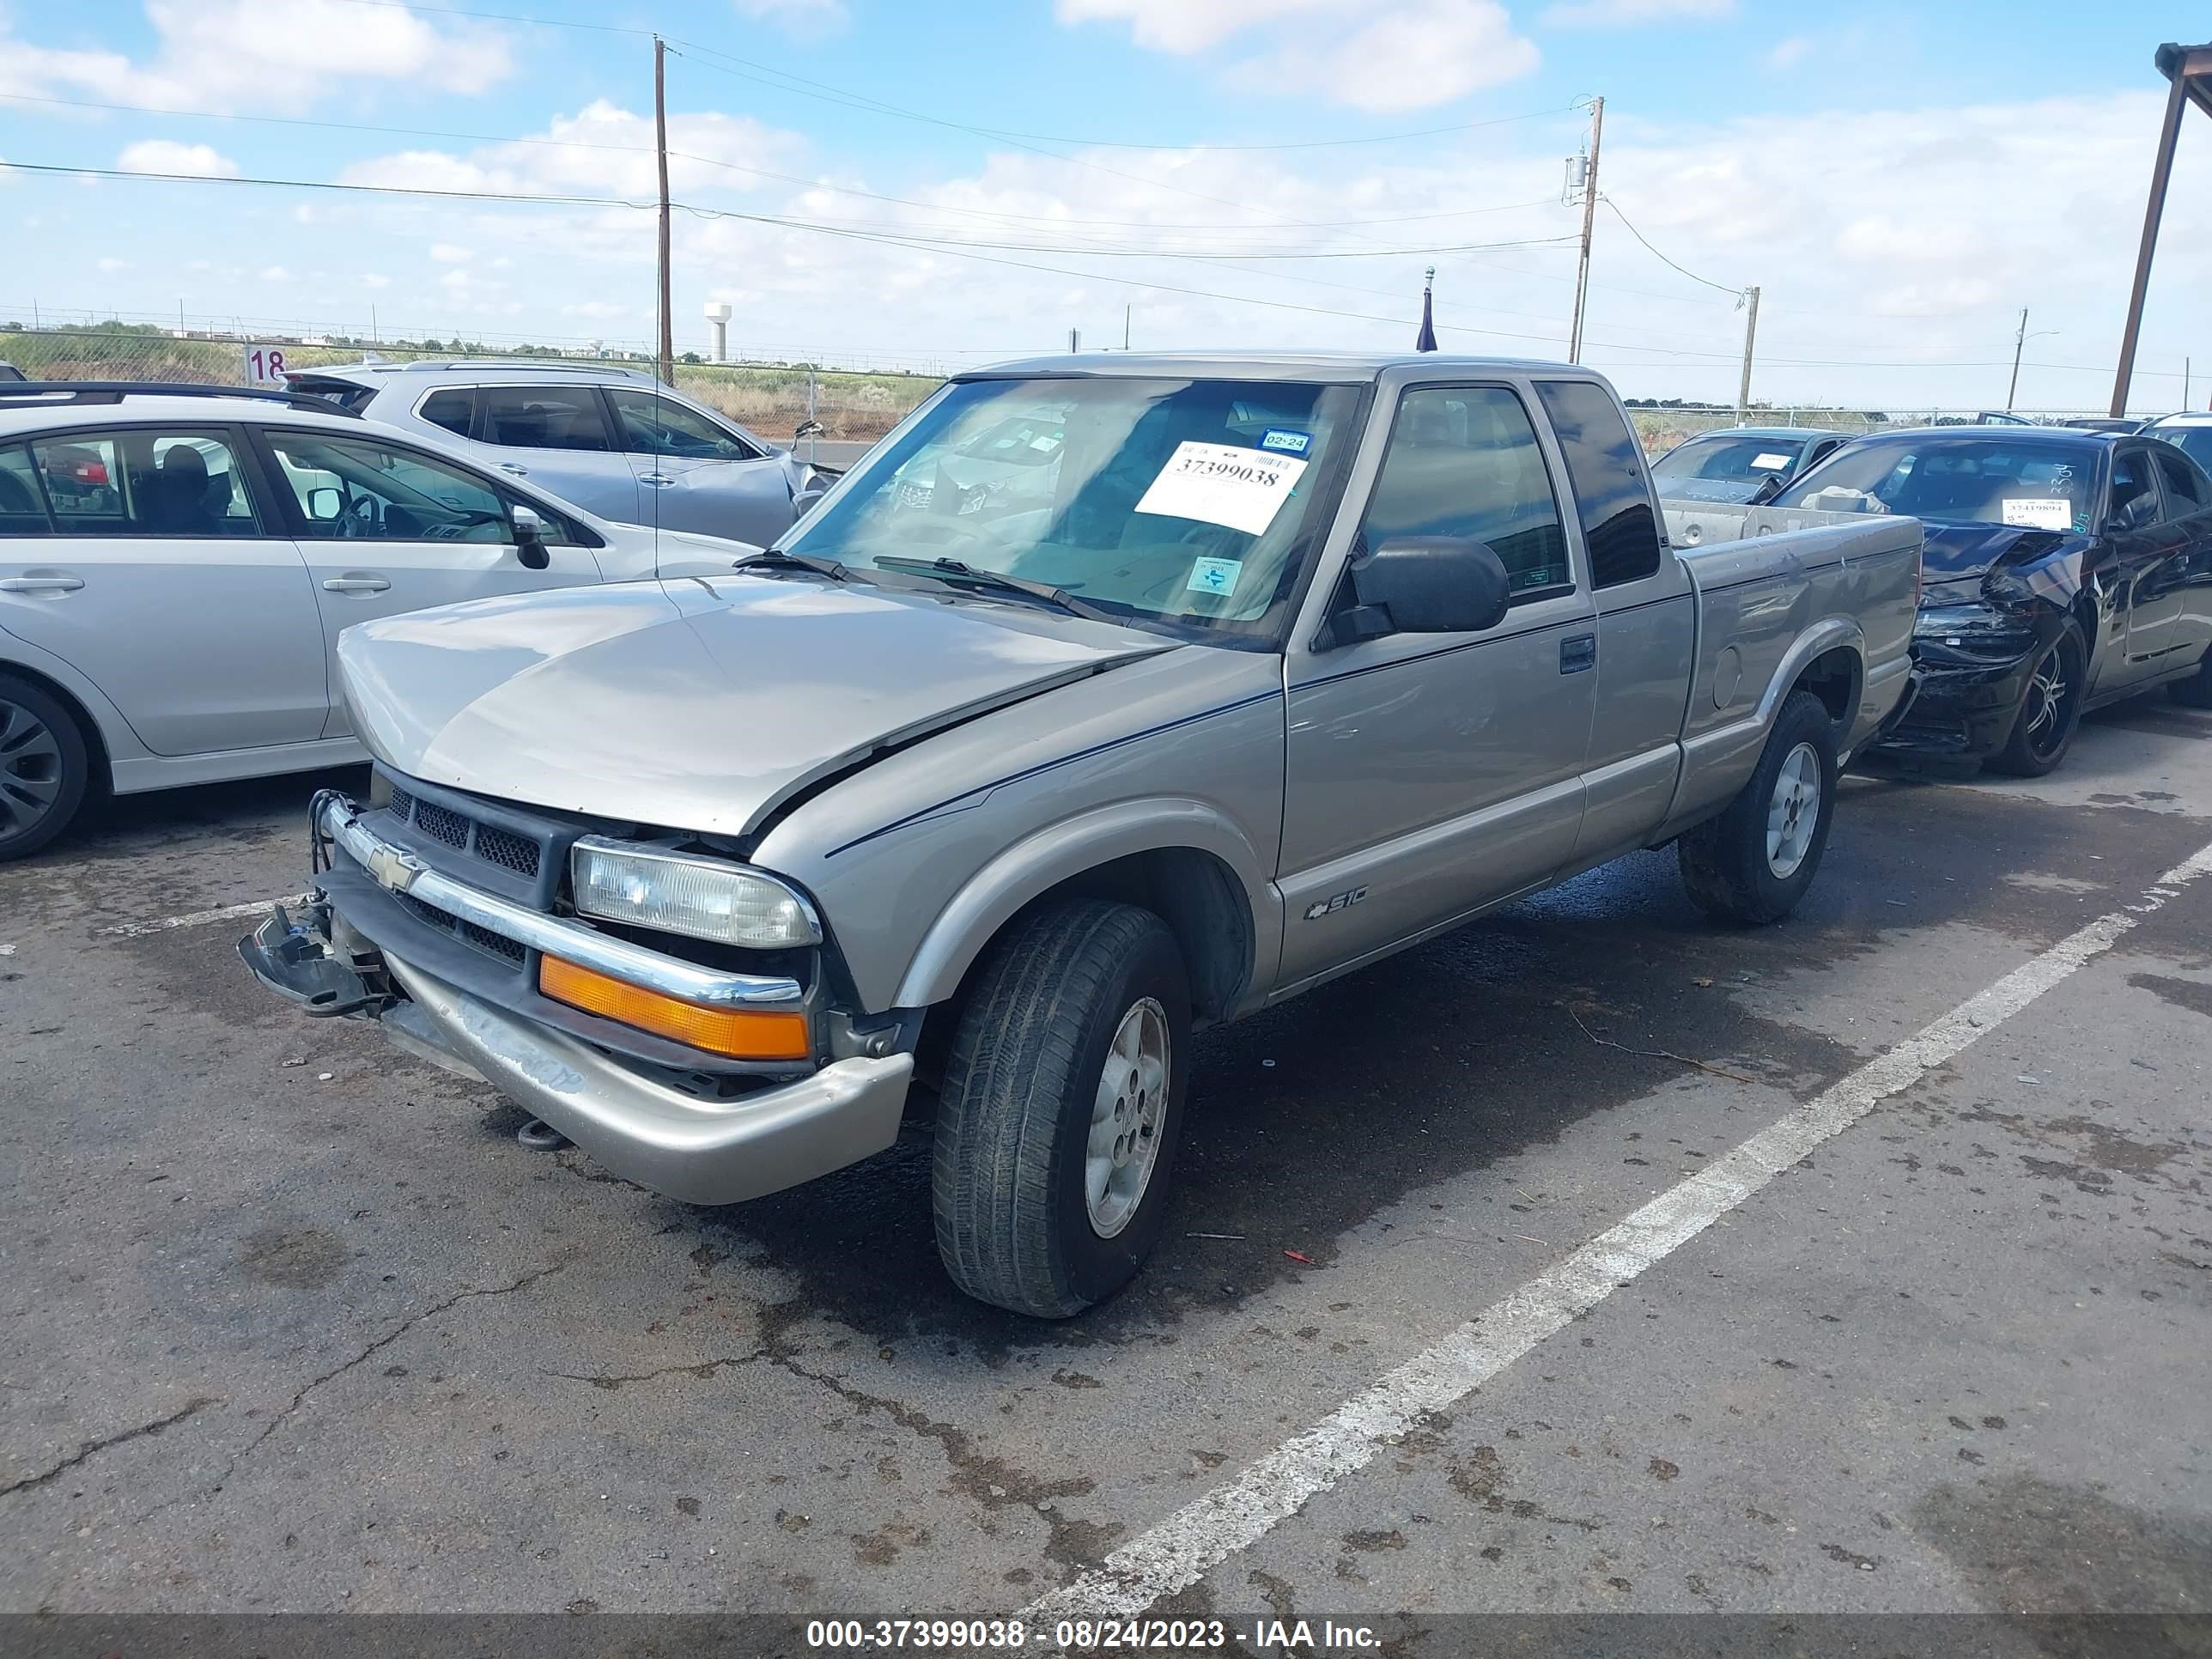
(2063, 570)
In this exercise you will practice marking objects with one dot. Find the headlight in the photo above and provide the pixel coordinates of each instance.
(700, 898)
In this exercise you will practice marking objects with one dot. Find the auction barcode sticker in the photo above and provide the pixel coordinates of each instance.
(1220, 484)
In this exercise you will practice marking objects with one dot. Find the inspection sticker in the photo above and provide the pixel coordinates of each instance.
(1282, 437)
(2040, 513)
(1214, 575)
(1219, 484)
(1770, 463)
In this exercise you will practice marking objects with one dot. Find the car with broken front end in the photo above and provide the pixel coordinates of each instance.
(2066, 570)
(1271, 666)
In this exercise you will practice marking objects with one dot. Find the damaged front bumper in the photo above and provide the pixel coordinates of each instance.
(703, 1140)
(1972, 665)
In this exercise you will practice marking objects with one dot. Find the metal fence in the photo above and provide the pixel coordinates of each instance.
(772, 398)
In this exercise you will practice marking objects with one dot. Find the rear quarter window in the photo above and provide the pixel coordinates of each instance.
(1606, 468)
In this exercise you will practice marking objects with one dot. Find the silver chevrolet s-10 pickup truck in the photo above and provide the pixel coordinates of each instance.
(1110, 698)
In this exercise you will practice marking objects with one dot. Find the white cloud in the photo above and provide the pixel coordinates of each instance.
(372, 279)
(275, 274)
(602, 149)
(167, 156)
(274, 55)
(451, 253)
(804, 19)
(1628, 14)
(1376, 55)
(1788, 52)
(110, 265)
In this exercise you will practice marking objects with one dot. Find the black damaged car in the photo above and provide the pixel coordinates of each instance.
(2063, 570)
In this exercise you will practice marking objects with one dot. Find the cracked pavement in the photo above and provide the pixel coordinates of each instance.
(291, 1323)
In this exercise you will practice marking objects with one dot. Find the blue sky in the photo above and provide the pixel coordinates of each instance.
(1900, 180)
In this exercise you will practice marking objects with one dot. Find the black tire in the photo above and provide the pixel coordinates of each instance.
(2196, 691)
(2035, 744)
(1014, 1224)
(45, 767)
(1724, 860)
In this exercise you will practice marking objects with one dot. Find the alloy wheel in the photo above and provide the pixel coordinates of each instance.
(1793, 811)
(1125, 1118)
(30, 770)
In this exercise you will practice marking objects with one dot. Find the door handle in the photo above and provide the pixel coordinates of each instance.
(41, 584)
(519, 471)
(356, 584)
(1578, 652)
(658, 480)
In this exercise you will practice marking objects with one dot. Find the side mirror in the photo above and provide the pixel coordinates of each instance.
(808, 429)
(324, 505)
(530, 538)
(1426, 585)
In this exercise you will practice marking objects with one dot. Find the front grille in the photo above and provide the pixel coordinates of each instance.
(440, 824)
(447, 922)
(507, 850)
(519, 854)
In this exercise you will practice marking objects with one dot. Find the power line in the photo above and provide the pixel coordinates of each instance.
(1722, 286)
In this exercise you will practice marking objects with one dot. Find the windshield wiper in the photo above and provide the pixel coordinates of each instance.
(775, 558)
(953, 570)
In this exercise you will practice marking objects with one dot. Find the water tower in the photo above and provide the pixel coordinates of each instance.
(718, 313)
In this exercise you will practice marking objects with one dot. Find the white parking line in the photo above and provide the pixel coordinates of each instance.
(198, 918)
(1197, 1538)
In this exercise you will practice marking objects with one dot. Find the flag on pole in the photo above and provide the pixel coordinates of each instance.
(1426, 339)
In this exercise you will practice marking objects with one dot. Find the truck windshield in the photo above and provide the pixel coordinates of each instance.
(1957, 479)
(1184, 503)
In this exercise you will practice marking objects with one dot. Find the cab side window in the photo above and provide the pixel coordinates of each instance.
(144, 484)
(653, 425)
(451, 408)
(2184, 486)
(1464, 461)
(545, 417)
(1605, 464)
(2135, 497)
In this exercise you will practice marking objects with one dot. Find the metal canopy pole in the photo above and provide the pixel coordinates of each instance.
(2187, 70)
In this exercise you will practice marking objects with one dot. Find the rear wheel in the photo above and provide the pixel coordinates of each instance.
(2050, 712)
(44, 766)
(1062, 1103)
(1753, 862)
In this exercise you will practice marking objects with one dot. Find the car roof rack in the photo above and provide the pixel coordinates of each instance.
(59, 393)
(548, 365)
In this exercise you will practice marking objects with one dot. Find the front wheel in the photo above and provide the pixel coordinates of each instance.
(1062, 1103)
(2051, 713)
(1753, 862)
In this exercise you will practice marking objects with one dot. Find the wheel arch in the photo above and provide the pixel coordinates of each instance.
(102, 781)
(1182, 860)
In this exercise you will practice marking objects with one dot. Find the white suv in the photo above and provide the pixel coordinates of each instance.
(176, 563)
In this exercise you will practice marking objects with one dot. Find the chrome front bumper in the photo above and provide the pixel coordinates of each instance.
(701, 1151)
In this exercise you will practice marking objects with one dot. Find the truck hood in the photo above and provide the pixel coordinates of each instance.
(701, 704)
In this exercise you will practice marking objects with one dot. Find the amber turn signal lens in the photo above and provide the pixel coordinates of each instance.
(739, 1033)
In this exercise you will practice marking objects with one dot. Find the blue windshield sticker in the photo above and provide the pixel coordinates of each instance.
(1290, 443)
(1214, 575)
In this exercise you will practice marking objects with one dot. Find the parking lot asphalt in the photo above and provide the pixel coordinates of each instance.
(292, 1322)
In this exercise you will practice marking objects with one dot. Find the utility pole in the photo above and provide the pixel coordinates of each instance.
(1750, 334)
(1590, 223)
(660, 145)
(1128, 309)
(1074, 341)
(2019, 344)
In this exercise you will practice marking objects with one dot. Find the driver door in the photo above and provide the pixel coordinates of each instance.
(694, 474)
(386, 528)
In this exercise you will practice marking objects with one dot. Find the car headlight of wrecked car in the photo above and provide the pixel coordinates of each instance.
(698, 897)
